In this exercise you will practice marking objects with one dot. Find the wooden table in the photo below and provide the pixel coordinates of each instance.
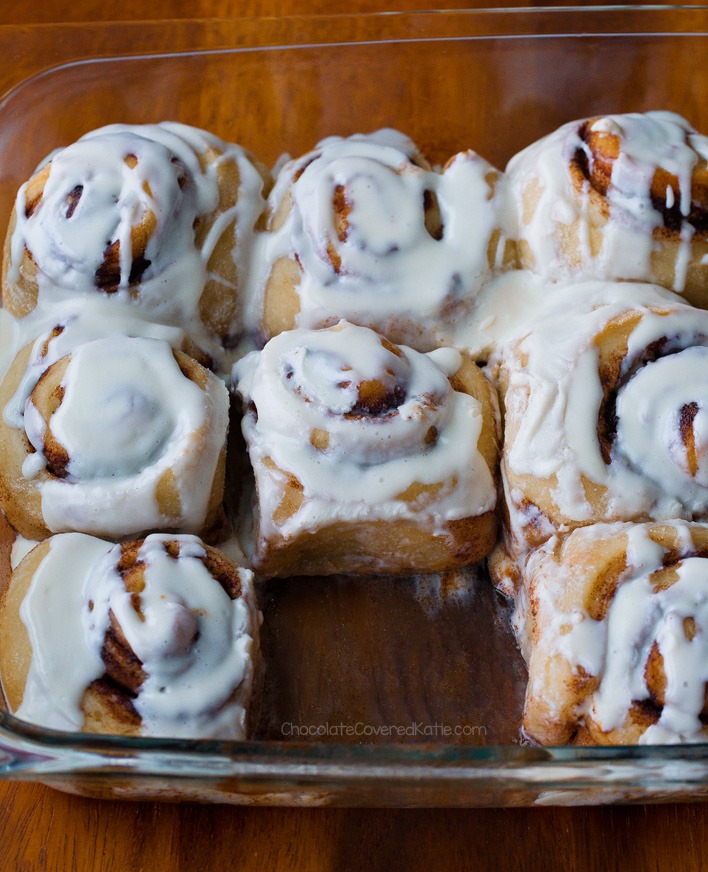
(40, 829)
(44, 829)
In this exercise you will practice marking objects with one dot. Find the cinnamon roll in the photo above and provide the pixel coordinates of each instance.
(154, 637)
(159, 216)
(362, 228)
(613, 623)
(119, 436)
(617, 197)
(368, 457)
(605, 411)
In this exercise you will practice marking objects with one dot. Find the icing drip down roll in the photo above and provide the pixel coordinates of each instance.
(613, 623)
(605, 416)
(155, 637)
(159, 216)
(617, 197)
(120, 436)
(368, 457)
(362, 228)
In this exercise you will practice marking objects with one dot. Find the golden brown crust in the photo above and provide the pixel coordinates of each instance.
(470, 379)
(389, 548)
(15, 646)
(218, 305)
(281, 303)
(19, 297)
(19, 497)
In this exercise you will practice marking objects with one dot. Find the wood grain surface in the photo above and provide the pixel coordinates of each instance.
(45, 11)
(43, 829)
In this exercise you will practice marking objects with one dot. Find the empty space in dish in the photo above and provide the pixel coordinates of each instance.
(376, 659)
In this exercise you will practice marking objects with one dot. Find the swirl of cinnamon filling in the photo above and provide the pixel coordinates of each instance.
(157, 636)
(614, 625)
(143, 214)
(119, 436)
(606, 415)
(617, 197)
(342, 426)
(362, 228)
(661, 421)
(658, 156)
(365, 400)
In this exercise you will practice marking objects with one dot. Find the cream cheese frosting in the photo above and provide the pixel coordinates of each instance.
(194, 643)
(640, 621)
(649, 141)
(134, 187)
(155, 421)
(356, 225)
(554, 392)
(310, 381)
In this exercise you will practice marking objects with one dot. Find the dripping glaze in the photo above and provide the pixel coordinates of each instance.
(190, 686)
(385, 267)
(648, 142)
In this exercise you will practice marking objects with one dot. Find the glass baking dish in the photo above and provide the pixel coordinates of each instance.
(378, 691)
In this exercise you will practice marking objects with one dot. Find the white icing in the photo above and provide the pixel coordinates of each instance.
(152, 418)
(583, 645)
(193, 641)
(196, 645)
(62, 667)
(640, 617)
(167, 188)
(554, 393)
(648, 410)
(648, 142)
(449, 360)
(506, 308)
(309, 380)
(21, 547)
(389, 270)
(644, 555)
(74, 323)
(616, 648)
